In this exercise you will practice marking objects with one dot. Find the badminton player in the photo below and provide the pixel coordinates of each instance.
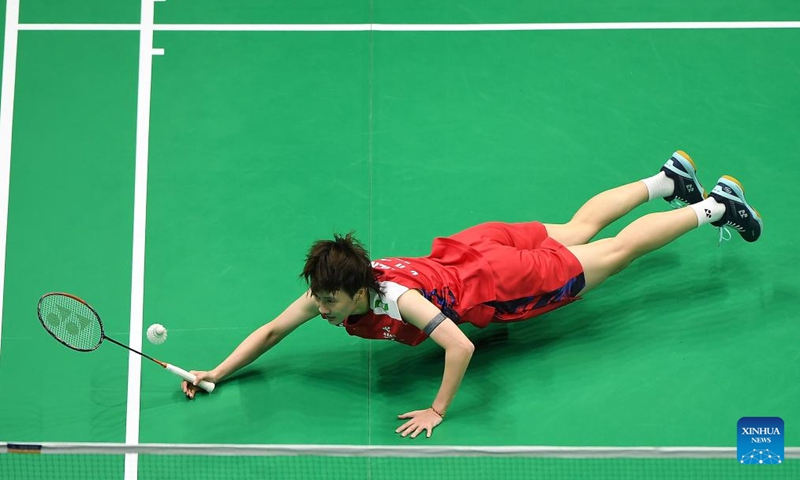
(492, 272)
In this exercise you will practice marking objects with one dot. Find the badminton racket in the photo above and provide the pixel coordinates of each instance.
(77, 325)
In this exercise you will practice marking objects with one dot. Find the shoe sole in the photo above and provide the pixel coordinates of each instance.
(737, 187)
(685, 156)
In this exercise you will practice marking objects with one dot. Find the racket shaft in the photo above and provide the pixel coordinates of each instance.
(207, 386)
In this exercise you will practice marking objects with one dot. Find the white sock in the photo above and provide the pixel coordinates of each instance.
(707, 211)
(659, 185)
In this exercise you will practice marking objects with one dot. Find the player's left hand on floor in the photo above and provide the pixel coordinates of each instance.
(420, 420)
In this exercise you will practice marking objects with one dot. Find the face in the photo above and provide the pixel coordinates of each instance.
(335, 307)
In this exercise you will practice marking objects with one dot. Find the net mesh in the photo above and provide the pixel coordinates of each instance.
(243, 467)
(71, 321)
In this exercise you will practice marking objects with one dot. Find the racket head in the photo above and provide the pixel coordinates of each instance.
(71, 321)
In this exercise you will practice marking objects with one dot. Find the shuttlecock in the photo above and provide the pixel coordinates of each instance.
(157, 334)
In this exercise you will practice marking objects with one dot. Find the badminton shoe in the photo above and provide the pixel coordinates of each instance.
(739, 215)
(682, 170)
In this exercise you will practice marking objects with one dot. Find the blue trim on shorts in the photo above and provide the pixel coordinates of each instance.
(569, 290)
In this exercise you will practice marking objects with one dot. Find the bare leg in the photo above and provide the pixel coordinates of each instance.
(597, 213)
(603, 258)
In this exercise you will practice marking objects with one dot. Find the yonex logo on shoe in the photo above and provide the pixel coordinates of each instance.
(690, 187)
(708, 212)
(743, 213)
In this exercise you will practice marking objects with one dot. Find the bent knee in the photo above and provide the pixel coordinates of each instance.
(618, 257)
(571, 233)
(601, 259)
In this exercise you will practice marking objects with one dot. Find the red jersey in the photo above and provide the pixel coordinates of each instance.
(454, 277)
(493, 271)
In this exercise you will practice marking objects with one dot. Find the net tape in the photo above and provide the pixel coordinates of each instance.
(377, 450)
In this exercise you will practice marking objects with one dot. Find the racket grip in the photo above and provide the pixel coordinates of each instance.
(207, 386)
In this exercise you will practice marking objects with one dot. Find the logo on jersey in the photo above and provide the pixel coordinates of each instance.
(380, 305)
(387, 333)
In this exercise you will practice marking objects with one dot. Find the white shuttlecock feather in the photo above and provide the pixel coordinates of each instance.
(157, 334)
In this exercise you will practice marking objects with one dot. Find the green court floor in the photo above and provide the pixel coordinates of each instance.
(261, 142)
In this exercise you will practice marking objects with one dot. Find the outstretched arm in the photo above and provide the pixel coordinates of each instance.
(257, 343)
(418, 311)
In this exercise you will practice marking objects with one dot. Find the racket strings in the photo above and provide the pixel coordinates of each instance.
(71, 321)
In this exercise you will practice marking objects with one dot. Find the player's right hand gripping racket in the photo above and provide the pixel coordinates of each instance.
(77, 325)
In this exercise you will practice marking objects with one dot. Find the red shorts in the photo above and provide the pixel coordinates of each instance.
(533, 273)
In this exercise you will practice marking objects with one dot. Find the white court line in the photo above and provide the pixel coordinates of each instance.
(384, 27)
(132, 421)
(6, 121)
(585, 26)
(79, 26)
